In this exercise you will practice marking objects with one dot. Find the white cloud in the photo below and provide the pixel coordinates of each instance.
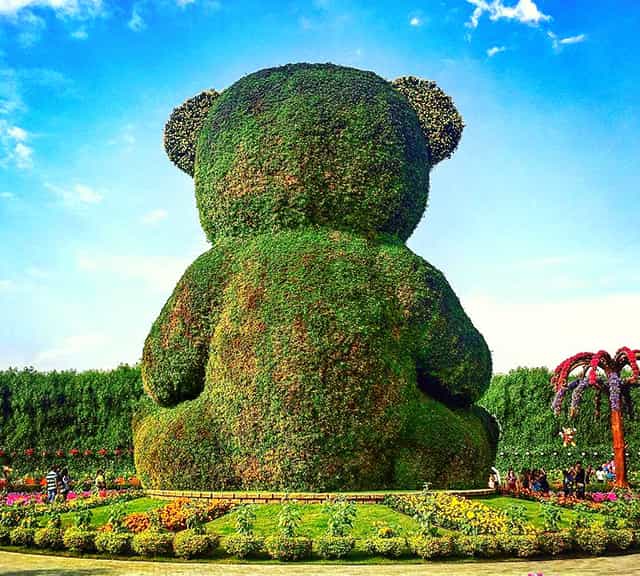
(23, 156)
(155, 216)
(530, 333)
(7, 195)
(558, 42)
(79, 34)
(415, 21)
(65, 8)
(75, 196)
(13, 147)
(491, 52)
(17, 133)
(524, 11)
(136, 22)
(573, 39)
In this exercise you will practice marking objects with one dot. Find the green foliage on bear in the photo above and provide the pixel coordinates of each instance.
(309, 348)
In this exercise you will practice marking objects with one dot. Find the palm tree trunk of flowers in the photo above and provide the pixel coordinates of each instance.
(618, 449)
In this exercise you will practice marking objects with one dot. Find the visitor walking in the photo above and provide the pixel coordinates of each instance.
(65, 482)
(580, 480)
(100, 482)
(52, 484)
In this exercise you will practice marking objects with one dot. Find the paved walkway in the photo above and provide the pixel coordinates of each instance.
(34, 565)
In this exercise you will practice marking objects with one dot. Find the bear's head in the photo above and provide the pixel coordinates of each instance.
(313, 144)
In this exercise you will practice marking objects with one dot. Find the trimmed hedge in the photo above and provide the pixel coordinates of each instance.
(529, 432)
(53, 410)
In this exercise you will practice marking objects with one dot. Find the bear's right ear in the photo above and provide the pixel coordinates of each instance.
(183, 128)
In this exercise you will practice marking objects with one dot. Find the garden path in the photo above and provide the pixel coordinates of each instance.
(12, 563)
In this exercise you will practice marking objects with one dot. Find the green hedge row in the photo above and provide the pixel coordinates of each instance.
(529, 431)
(65, 410)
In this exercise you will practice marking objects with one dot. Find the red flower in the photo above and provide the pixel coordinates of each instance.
(29, 452)
(102, 452)
(87, 452)
(74, 451)
(59, 452)
(2, 452)
(117, 452)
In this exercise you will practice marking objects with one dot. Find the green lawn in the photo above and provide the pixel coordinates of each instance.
(101, 513)
(533, 509)
(314, 520)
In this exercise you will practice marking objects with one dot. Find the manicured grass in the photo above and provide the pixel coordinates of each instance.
(101, 513)
(314, 520)
(533, 510)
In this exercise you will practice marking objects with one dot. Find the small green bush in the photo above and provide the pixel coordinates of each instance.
(526, 545)
(79, 539)
(288, 549)
(555, 543)
(591, 540)
(619, 540)
(465, 546)
(243, 546)
(432, 547)
(4, 534)
(191, 544)
(153, 543)
(389, 547)
(21, 536)
(334, 547)
(49, 537)
(114, 543)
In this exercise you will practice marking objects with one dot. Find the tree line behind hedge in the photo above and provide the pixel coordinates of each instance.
(529, 431)
(49, 411)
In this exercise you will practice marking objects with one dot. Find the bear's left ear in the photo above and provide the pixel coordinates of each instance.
(183, 128)
(441, 123)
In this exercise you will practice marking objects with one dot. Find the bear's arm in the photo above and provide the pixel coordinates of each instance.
(452, 358)
(177, 348)
(453, 361)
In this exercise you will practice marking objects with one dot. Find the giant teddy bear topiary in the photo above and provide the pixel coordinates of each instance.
(309, 348)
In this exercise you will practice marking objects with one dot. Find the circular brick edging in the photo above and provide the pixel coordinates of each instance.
(303, 497)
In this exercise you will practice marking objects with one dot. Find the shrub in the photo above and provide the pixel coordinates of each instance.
(192, 544)
(243, 546)
(79, 539)
(245, 516)
(49, 537)
(289, 518)
(430, 548)
(113, 543)
(591, 540)
(153, 543)
(393, 547)
(526, 545)
(619, 540)
(4, 534)
(555, 543)
(136, 522)
(550, 517)
(286, 548)
(334, 547)
(342, 514)
(21, 536)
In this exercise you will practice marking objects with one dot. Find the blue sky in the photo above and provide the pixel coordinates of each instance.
(534, 220)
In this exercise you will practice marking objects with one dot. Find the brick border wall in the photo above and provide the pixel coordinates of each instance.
(303, 497)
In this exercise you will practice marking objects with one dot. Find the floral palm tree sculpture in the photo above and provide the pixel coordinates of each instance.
(604, 373)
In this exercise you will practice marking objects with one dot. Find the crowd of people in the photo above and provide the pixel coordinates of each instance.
(575, 479)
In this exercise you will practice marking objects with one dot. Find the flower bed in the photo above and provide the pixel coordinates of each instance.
(444, 527)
